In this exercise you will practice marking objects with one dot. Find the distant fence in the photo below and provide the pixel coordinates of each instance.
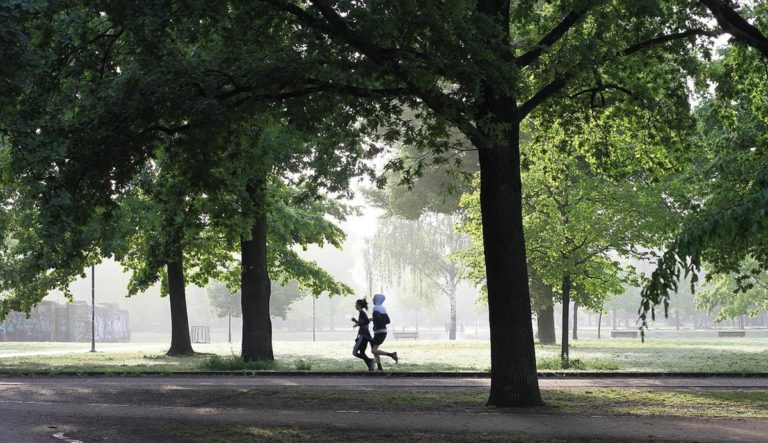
(71, 322)
(201, 334)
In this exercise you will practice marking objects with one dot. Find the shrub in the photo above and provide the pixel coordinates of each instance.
(303, 365)
(235, 363)
(593, 364)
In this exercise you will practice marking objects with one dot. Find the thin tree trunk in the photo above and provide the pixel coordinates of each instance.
(452, 297)
(575, 320)
(599, 322)
(545, 319)
(181, 344)
(544, 300)
(514, 380)
(566, 304)
(255, 286)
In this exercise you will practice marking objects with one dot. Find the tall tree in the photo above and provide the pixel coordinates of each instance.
(482, 68)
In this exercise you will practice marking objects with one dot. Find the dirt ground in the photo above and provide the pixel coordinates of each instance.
(171, 409)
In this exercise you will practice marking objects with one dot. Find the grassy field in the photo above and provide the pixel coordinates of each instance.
(725, 355)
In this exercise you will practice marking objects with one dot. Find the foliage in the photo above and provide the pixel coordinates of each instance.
(417, 255)
(728, 223)
(431, 188)
(158, 78)
(422, 249)
(732, 295)
(223, 302)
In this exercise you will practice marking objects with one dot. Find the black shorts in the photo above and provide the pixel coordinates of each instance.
(378, 338)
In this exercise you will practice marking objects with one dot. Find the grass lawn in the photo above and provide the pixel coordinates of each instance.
(724, 355)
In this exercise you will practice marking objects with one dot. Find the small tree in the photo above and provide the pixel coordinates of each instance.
(423, 249)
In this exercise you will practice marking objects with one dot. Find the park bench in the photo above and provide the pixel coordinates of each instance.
(630, 333)
(406, 334)
(731, 333)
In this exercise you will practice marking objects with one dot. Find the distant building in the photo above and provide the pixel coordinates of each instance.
(71, 322)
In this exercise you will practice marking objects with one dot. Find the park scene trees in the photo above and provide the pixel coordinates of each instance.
(524, 180)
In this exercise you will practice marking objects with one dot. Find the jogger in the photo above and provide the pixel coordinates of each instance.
(380, 322)
(363, 334)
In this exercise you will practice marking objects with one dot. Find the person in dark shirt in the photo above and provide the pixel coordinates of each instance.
(380, 322)
(363, 334)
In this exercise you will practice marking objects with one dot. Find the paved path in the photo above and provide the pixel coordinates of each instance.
(355, 383)
(162, 408)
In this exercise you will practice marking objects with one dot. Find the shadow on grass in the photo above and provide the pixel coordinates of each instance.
(731, 403)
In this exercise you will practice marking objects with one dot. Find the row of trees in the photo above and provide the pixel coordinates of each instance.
(239, 112)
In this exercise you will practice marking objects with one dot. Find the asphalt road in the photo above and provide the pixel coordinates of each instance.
(136, 409)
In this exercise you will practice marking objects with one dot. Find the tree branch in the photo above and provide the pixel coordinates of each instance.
(352, 90)
(301, 14)
(559, 83)
(544, 93)
(336, 27)
(604, 87)
(548, 40)
(733, 23)
(668, 38)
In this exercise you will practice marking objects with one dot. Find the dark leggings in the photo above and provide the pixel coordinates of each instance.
(361, 344)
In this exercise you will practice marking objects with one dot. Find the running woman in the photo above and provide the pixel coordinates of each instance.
(363, 334)
(380, 322)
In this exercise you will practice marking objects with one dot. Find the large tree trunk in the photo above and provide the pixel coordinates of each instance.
(514, 381)
(181, 344)
(575, 321)
(566, 304)
(545, 319)
(255, 286)
(452, 297)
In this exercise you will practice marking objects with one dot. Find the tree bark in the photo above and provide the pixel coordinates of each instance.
(575, 320)
(514, 380)
(545, 319)
(255, 285)
(564, 359)
(181, 344)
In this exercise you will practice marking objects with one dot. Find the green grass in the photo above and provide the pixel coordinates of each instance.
(725, 355)
(690, 403)
(14, 347)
